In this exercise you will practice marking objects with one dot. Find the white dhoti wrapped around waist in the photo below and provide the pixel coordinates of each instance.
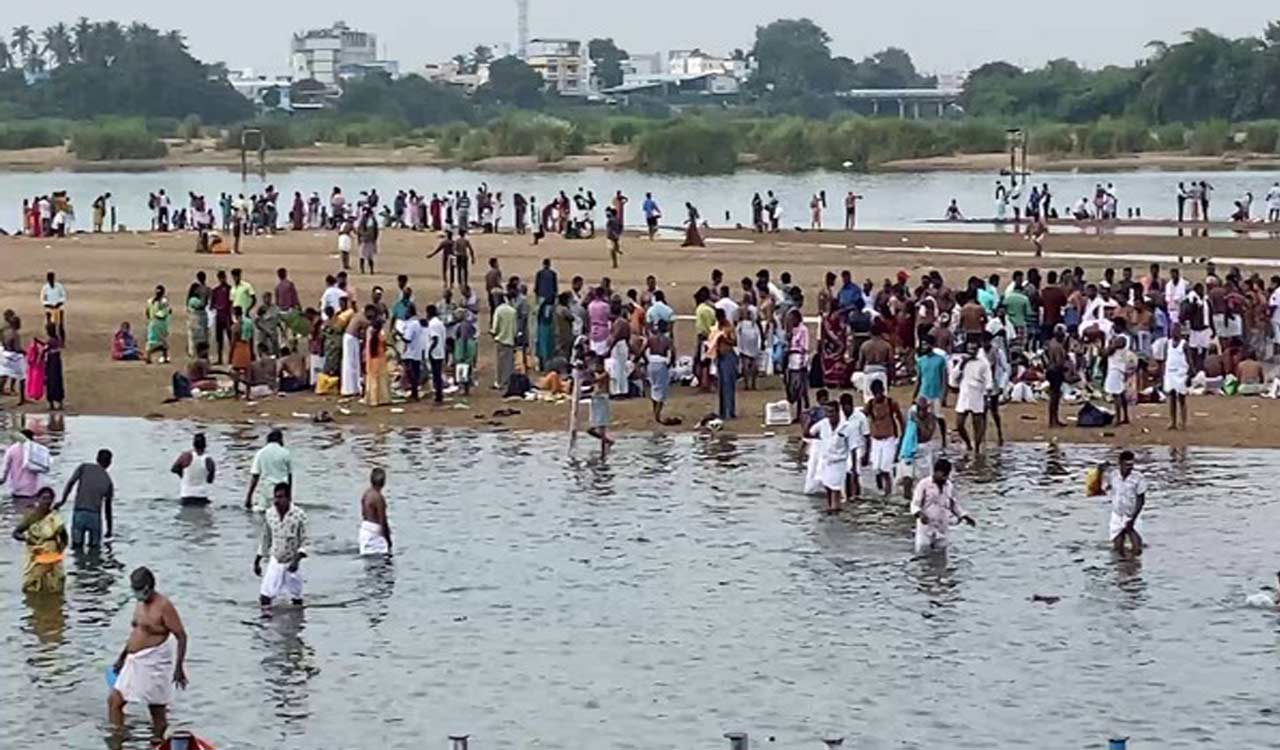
(277, 580)
(372, 539)
(147, 676)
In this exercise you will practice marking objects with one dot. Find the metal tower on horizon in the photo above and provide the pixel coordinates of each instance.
(522, 29)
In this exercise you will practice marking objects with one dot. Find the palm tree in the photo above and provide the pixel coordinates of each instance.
(83, 39)
(24, 43)
(57, 44)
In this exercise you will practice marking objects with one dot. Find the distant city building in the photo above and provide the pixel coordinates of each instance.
(451, 74)
(335, 54)
(694, 62)
(644, 65)
(266, 92)
(563, 65)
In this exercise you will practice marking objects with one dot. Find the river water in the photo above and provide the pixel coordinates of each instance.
(680, 590)
(892, 201)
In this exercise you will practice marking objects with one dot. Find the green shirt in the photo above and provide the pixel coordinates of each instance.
(242, 296)
(1017, 307)
(504, 325)
(704, 319)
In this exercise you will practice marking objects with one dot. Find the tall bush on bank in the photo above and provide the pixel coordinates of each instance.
(21, 134)
(1263, 137)
(688, 146)
(115, 139)
(1210, 138)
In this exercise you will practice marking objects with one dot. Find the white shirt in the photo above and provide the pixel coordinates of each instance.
(1274, 302)
(272, 465)
(435, 338)
(52, 296)
(938, 505)
(1125, 492)
(1273, 197)
(332, 297)
(730, 308)
(1174, 293)
(1176, 364)
(837, 442)
(858, 425)
(415, 340)
(972, 379)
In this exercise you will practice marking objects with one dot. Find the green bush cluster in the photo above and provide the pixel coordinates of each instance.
(21, 134)
(1210, 138)
(688, 146)
(109, 140)
(1263, 137)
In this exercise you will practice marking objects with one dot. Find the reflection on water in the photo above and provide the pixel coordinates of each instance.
(682, 588)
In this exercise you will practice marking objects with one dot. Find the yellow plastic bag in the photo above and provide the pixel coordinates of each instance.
(327, 385)
(1093, 482)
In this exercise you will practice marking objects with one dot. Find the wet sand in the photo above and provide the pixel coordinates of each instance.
(110, 277)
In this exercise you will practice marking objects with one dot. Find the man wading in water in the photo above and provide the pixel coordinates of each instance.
(148, 667)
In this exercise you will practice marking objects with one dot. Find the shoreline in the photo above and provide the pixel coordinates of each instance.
(205, 154)
(109, 289)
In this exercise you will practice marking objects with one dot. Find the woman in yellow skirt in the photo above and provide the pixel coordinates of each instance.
(46, 539)
(377, 390)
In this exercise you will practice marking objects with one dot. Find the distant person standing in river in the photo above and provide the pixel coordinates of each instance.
(1128, 490)
(153, 659)
(283, 545)
(195, 471)
(272, 465)
(934, 506)
(375, 529)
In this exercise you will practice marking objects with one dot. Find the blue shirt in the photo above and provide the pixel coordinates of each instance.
(850, 297)
(988, 298)
(910, 438)
(650, 207)
(931, 368)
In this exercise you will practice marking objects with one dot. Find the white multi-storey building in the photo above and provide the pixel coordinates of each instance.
(563, 64)
(336, 53)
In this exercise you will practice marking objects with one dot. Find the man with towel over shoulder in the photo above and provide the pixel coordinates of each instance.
(375, 530)
(152, 660)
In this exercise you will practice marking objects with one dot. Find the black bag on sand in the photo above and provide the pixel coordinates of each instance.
(1092, 416)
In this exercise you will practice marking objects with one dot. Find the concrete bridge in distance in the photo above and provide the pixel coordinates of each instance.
(914, 102)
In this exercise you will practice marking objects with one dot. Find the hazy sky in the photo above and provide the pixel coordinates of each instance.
(941, 36)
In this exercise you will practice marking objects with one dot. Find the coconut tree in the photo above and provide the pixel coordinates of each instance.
(82, 39)
(24, 43)
(58, 47)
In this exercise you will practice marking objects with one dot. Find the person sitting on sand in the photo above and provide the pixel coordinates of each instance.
(260, 372)
(124, 347)
(1249, 371)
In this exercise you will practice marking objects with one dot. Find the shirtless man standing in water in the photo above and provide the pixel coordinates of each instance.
(375, 529)
(148, 667)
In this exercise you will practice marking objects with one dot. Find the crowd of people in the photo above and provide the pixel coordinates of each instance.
(1193, 200)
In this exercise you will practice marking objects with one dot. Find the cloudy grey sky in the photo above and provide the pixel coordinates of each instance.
(942, 35)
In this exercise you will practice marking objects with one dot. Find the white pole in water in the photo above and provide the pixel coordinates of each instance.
(458, 741)
(737, 740)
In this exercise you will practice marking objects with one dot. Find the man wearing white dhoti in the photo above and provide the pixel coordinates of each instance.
(934, 506)
(352, 354)
(837, 443)
(1128, 491)
(283, 544)
(152, 660)
(375, 530)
